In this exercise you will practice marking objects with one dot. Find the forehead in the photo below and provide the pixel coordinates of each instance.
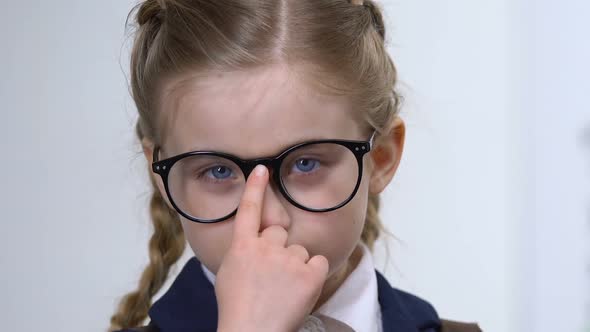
(252, 113)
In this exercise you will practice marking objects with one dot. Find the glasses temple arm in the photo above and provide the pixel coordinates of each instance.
(372, 139)
(156, 153)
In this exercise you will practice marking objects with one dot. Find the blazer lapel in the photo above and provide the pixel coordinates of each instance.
(189, 305)
(404, 312)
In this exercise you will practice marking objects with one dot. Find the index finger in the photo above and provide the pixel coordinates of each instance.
(247, 222)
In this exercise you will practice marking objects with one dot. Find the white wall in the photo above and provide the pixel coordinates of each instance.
(451, 203)
(492, 197)
(556, 119)
(489, 204)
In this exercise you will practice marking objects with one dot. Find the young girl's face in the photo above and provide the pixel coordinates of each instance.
(259, 113)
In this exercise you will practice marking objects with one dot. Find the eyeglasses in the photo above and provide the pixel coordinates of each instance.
(315, 176)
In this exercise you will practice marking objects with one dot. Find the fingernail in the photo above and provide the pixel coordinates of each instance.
(260, 170)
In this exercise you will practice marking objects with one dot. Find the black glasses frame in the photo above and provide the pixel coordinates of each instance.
(358, 148)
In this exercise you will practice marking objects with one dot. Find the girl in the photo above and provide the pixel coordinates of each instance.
(270, 128)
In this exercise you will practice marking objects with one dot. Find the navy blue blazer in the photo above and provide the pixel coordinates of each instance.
(190, 305)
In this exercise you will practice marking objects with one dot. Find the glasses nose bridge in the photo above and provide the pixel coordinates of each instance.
(272, 164)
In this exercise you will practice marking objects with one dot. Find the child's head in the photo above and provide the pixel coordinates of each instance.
(251, 79)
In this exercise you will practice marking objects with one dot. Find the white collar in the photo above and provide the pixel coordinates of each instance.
(355, 302)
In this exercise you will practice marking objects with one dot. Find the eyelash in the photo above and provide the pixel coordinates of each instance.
(302, 173)
(203, 174)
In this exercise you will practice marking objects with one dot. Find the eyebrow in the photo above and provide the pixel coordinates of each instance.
(275, 152)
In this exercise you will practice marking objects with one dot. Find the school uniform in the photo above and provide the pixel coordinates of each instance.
(365, 302)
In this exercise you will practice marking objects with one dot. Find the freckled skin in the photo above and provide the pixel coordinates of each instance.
(258, 113)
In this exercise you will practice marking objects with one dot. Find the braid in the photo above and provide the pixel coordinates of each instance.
(380, 119)
(166, 245)
(373, 224)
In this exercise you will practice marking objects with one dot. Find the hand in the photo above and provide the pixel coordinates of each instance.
(261, 285)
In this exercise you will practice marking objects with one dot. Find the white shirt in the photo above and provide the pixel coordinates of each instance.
(355, 302)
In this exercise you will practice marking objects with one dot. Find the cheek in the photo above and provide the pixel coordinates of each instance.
(333, 234)
(336, 234)
(209, 242)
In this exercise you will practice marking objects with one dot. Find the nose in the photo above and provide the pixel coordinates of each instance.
(274, 210)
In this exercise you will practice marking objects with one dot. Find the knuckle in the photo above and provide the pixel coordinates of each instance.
(300, 250)
(323, 260)
(274, 229)
(296, 247)
(320, 267)
(297, 268)
(274, 233)
(266, 250)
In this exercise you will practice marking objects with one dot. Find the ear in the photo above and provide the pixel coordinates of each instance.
(386, 155)
(148, 150)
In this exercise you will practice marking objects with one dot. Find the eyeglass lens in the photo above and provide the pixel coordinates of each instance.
(316, 176)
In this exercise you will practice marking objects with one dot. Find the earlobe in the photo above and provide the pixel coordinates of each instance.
(386, 155)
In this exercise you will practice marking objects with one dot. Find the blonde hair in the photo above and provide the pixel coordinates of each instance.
(340, 39)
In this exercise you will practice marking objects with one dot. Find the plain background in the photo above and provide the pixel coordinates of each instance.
(490, 205)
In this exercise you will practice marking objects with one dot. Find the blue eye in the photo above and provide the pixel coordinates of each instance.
(306, 165)
(219, 172)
